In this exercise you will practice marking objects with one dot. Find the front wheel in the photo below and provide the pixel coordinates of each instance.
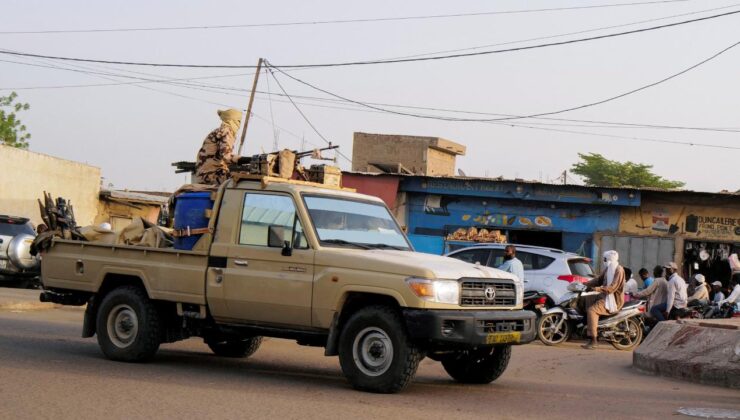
(632, 335)
(480, 366)
(553, 329)
(375, 352)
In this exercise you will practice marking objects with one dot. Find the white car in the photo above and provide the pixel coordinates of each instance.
(546, 270)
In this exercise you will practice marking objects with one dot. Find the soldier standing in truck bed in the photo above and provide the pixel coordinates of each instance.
(216, 153)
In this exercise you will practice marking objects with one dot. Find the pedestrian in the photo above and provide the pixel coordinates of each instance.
(645, 276)
(512, 264)
(657, 294)
(610, 298)
(630, 286)
(677, 298)
(216, 153)
(700, 297)
(717, 289)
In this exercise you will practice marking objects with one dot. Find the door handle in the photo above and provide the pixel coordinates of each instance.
(242, 263)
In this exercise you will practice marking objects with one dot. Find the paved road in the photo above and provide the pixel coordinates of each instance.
(47, 371)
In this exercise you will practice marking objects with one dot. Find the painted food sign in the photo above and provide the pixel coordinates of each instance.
(510, 220)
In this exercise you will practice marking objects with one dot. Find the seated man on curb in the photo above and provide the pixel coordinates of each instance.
(610, 285)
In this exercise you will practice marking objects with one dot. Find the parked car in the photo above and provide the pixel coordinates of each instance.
(547, 270)
(17, 265)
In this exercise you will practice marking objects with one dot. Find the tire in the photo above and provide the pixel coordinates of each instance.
(375, 352)
(235, 348)
(547, 331)
(634, 337)
(481, 366)
(128, 325)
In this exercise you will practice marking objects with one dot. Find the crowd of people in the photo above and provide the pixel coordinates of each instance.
(670, 296)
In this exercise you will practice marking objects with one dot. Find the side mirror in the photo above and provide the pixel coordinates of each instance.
(287, 250)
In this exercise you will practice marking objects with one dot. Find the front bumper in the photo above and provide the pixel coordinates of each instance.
(450, 328)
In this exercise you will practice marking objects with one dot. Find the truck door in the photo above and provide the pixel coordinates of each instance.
(261, 284)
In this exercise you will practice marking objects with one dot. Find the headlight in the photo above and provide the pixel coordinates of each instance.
(439, 291)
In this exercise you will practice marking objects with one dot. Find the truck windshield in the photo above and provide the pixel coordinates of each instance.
(343, 222)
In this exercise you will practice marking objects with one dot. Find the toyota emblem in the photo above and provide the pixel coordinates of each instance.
(490, 293)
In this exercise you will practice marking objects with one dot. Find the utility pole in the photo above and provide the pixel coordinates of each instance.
(249, 105)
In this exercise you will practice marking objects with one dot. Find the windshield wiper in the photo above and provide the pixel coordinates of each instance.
(386, 246)
(343, 242)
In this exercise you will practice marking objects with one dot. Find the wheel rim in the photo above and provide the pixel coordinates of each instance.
(631, 334)
(123, 325)
(551, 331)
(372, 351)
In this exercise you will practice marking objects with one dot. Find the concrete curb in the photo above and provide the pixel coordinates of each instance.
(706, 352)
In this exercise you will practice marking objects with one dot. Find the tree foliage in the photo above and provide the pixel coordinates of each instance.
(597, 170)
(12, 131)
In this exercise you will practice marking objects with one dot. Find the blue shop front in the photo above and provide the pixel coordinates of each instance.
(558, 216)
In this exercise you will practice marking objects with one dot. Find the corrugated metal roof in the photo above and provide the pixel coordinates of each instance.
(531, 182)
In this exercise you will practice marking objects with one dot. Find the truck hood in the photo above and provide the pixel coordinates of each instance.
(411, 264)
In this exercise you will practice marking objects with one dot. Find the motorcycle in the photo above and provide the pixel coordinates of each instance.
(624, 329)
(535, 301)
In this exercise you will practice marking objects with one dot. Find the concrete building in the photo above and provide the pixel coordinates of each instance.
(432, 156)
(26, 175)
(647, 227)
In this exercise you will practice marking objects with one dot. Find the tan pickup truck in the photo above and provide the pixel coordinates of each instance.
(323, 266)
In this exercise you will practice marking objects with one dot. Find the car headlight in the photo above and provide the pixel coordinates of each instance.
(439, 291)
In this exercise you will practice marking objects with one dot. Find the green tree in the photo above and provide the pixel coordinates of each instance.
(597, 170)
(12, 131)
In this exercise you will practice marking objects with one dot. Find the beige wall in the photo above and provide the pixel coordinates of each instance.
(24, 176)
(421, 155)
(119, 215)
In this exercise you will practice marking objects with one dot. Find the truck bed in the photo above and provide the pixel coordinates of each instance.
(168, 274)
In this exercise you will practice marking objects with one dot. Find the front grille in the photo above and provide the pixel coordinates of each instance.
(478, 293)
(503, 326)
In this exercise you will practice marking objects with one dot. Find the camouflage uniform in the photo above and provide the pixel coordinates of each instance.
(216, 153)
(214, 156)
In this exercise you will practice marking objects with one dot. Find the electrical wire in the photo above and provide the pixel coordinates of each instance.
(437, 117)
(297, 108)
(375, 62)
(338, 21)
(179, 82)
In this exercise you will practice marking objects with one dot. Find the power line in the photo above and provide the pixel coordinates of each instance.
(210, 88)
(437, 117)
(338, 21)
(373, 62)
(541, 38)
(644, 139)
(313, 127)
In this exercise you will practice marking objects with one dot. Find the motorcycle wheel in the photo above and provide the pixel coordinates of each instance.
(633, 338)
(549, 332)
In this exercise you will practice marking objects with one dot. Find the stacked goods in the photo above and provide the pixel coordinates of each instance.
(477, 235)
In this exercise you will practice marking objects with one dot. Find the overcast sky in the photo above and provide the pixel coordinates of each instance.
(133, 133)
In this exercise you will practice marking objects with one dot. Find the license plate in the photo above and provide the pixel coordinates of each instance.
(503, 337)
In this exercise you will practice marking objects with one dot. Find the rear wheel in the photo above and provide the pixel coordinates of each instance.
(235, 347)
(632, 335)
(375, 352)
(481, 366)
(553, 329)
(128, 325)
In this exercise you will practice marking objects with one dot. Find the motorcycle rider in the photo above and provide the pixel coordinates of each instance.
(657, 293)
(610, 286)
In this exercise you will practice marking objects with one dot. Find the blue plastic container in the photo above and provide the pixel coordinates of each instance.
(190, 211)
